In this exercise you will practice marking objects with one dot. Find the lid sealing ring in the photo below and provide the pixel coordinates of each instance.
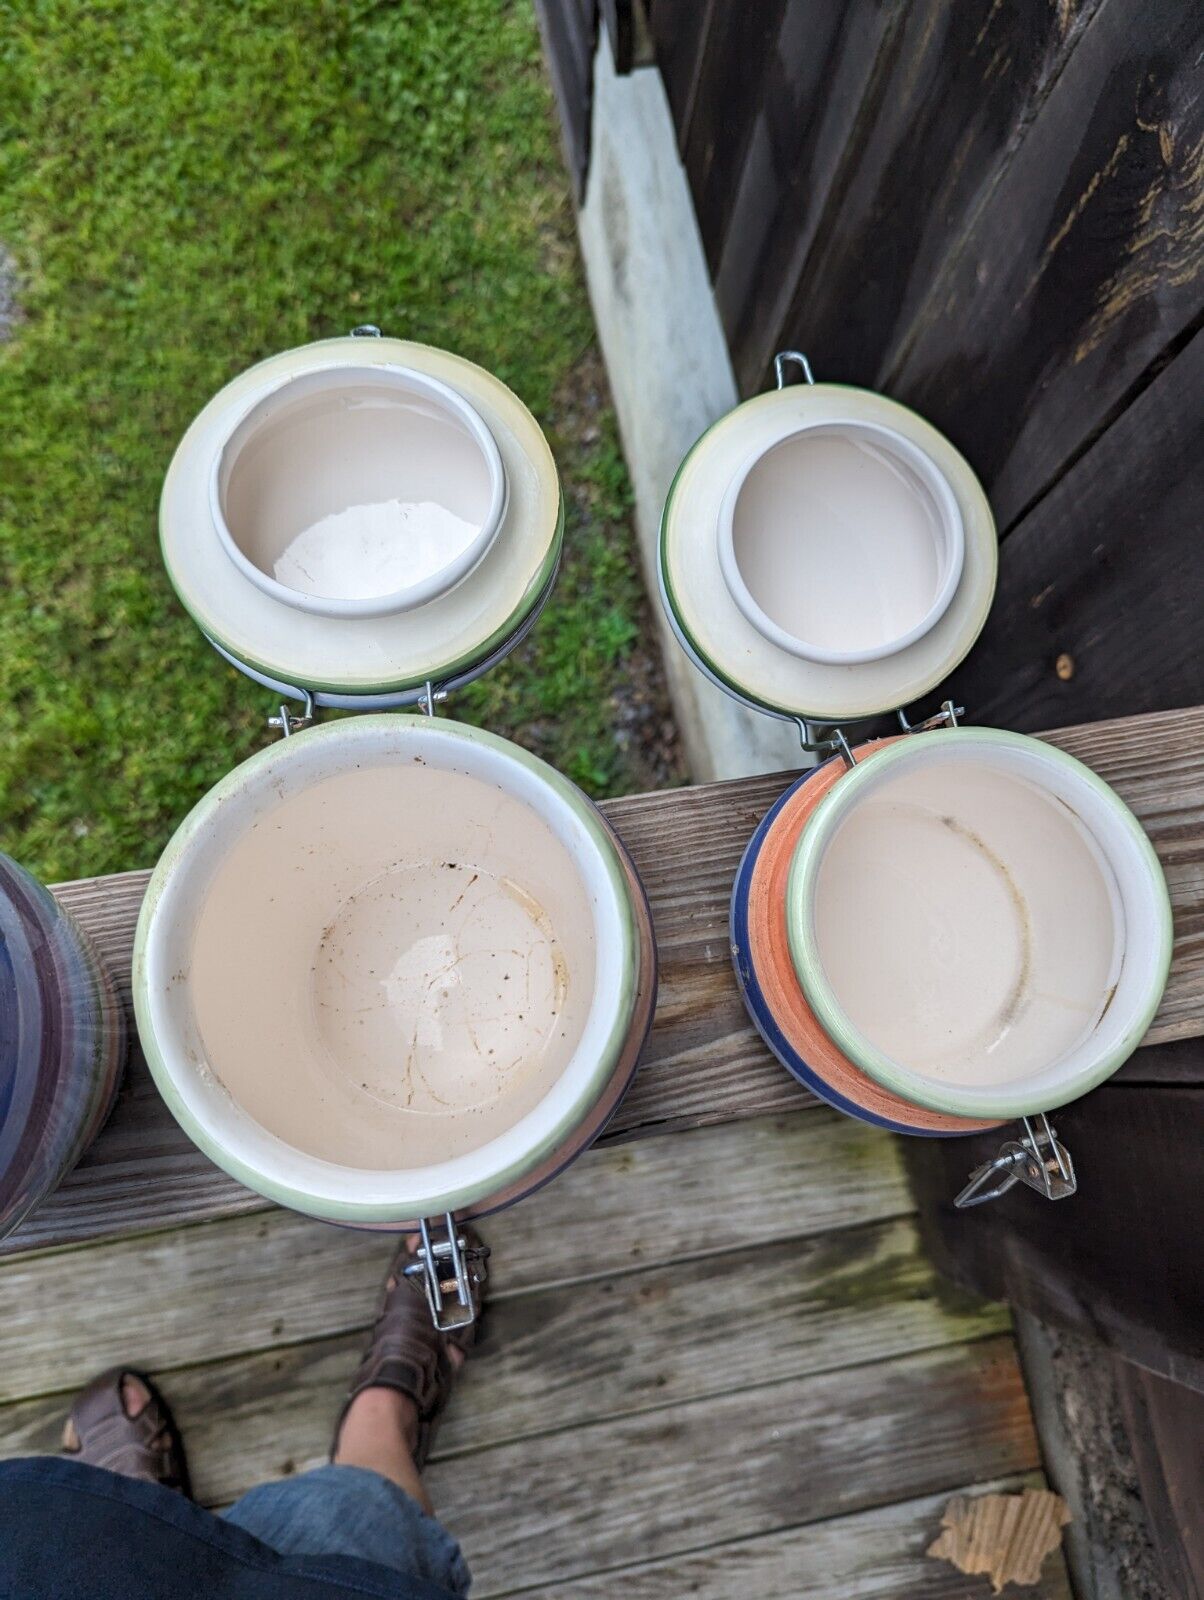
(1039, 1160)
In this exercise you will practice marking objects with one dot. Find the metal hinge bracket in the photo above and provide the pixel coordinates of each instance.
(1039, 1160)
(449, 1268)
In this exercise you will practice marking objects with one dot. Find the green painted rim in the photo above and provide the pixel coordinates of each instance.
(737, 690)
(450, 668)
(285, 1194)
(804, 867)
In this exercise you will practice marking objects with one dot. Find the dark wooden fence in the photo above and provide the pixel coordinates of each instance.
(995, 213)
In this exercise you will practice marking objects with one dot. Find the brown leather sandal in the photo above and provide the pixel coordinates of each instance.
(407, 1353)
(147, 1446)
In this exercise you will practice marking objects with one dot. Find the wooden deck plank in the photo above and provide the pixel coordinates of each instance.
(245, 1283)
(748, 1463)
(569, 1357)
(704, 1062)
(871, 1555)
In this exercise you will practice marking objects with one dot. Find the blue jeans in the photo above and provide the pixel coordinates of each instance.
(69, 1531)
(352, 1512)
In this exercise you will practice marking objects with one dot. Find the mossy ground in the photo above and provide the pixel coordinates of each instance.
(182, 192)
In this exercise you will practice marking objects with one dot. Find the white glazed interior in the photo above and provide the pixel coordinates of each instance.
(386, 464)
(177, 900)
(842, 542)
(718, 635)
(1141, 908)
(339, 656)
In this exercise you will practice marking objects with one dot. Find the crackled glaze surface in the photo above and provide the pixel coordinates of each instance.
(429, 967)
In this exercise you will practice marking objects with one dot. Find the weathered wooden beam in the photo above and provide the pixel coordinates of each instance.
(617, 1210)
(704, 1062)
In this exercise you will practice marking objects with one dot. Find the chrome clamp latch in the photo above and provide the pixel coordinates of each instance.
(1039, 1159)
(449, 1268)
(430, 697)
(835, 742)
(287, 722)
(946, 717)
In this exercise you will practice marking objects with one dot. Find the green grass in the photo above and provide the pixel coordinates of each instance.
(184, 189)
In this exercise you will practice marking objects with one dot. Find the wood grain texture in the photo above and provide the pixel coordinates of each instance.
(704, 1062)
(745, 1464)
(1166, 1428)
(569, 29)
(1087, 1457)
(871, 1555)
(740, 45)
(242, 1283)
(829, 54)
(679, 34)
(950, 102)
(1083, 266)
(566, 1357)
(1100, 604)
(1119, 1262)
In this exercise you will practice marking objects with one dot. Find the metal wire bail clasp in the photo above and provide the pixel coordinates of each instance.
(834, 743)
(782, 360)
(946, 717)
(430, 697)
(449, 1268)
(288, 722)
(1039, 1160)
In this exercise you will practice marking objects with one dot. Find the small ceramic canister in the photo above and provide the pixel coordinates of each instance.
(394, 972)
(62, 1043)
(934, 933)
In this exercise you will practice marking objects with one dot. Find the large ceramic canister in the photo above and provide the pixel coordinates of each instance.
(940, 931)
(393, 968)
(62, 1043)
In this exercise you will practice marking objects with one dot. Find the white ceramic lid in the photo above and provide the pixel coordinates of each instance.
(363, 653)
(718, 633)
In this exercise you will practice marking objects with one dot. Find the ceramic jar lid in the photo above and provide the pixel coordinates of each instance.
(826, 554)
(361, 516)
